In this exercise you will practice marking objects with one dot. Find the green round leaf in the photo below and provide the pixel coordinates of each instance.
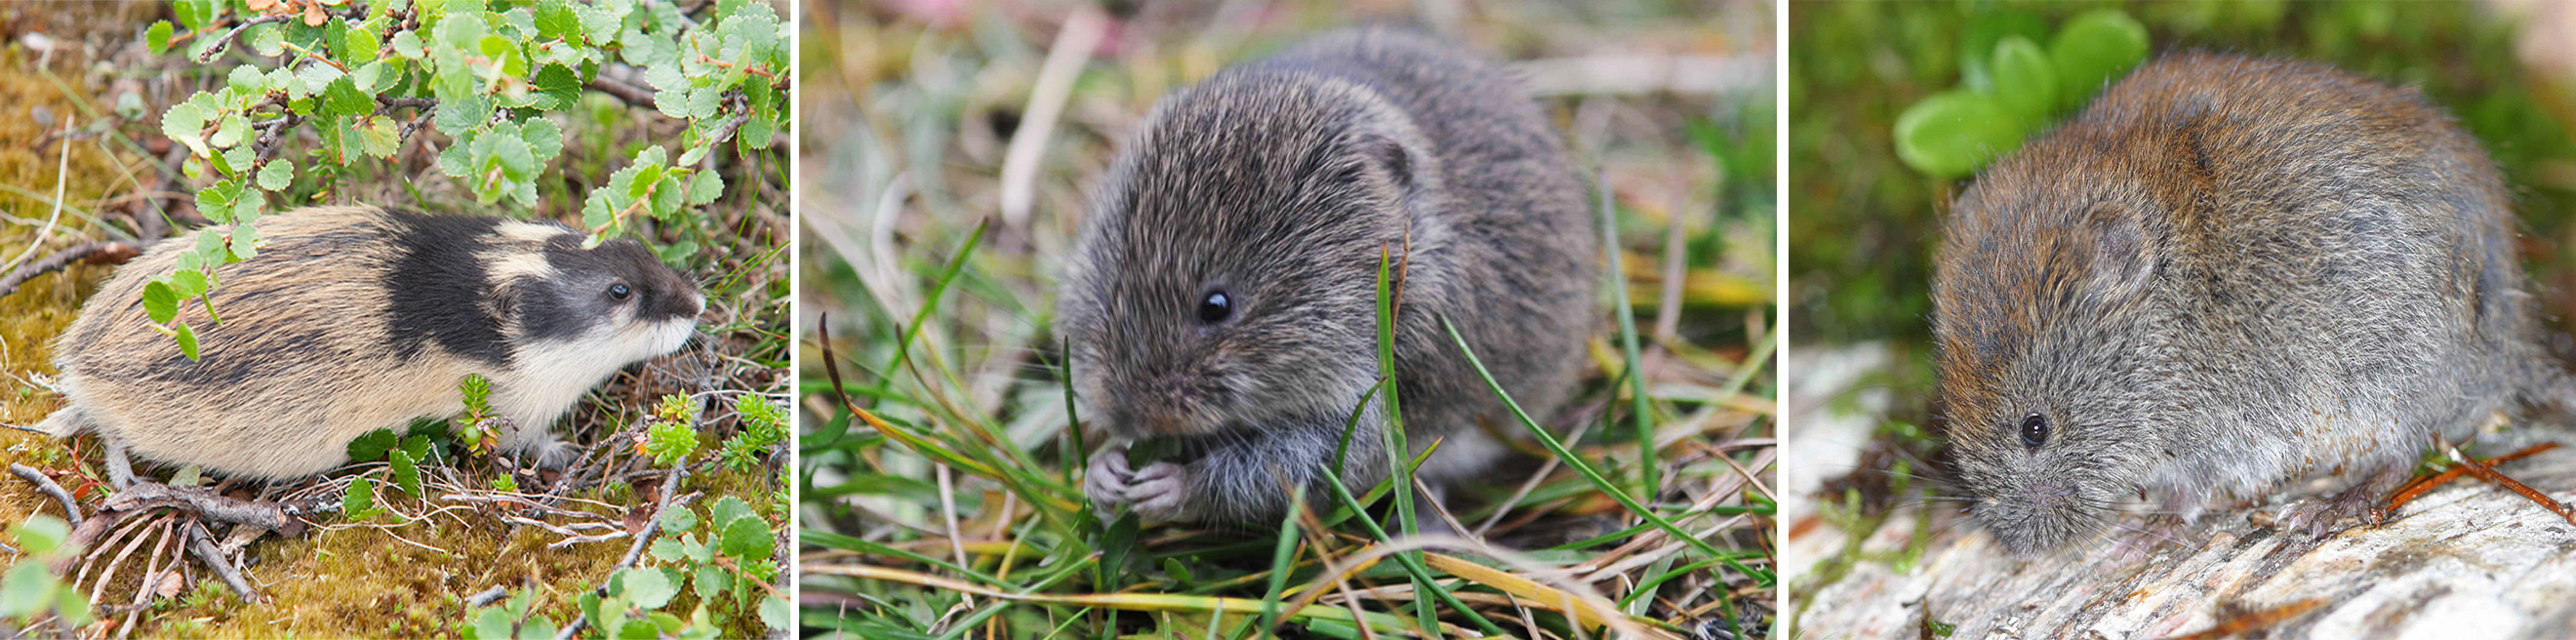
(1950, 134)
(679, 520)
(277, 174)
(27, 590)
(73, 606)
(195, 14)
(372, 446)
(40, 535)
(1985, 29)
(493, 623)
(160, 302)
(158, 38)
(342, 98)
(407, 44)
(233, 131)
(2093, 49)
(729, 509)
(648, 588)
(187, 337)
(2025, 82)
(711, 582)
(774, 612)
(748, 539)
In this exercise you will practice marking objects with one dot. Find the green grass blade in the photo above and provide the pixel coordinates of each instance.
(1412, 564)
(1398, 458)
(1641, 408)
(1580, 467)
(930, 304)
(1281, 560)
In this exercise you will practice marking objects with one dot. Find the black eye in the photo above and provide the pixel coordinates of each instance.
(619, 291)
(1215, 308)
(2034, 430)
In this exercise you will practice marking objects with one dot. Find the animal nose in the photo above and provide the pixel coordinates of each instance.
(682, 306)
(2046, 497)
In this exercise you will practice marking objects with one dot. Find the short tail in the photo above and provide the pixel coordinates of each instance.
(65, 423)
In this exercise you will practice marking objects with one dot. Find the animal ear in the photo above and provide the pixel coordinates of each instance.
(2124, 255)
(1390, 156)
(502, 308)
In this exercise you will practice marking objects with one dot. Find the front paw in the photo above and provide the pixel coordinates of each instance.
(1158, 492)
(1106, 481)
(1155, 493)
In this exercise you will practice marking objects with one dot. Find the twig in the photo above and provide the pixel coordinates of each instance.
(107, 249)
(62, 175)
(149, 227)
(386, 103)
(725, 132)
(71, 509)
(2487, 473)
(670, 487)
(1073, 46)
(149, 495)
(2418, 486)
(634, 96)
(204, 547)
(524, 502)
(225, 41)
(1668, 311)
(487, 596)
(270, 140)
(1644, 74)
(2255, 620)
(751, 69)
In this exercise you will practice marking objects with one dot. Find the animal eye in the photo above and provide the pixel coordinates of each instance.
(1215, 308)
(619, 291)
(2034, 430)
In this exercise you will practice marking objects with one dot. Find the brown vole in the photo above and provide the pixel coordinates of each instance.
(2226, 274)
(354, 319)
(1223, 291)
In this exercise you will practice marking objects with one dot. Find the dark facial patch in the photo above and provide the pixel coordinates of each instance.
(438, 286)
(587, 285)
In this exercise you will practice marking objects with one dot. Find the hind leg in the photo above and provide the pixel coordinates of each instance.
(2173, 517)
(120, 469)
(2321, 518)
(538, 446)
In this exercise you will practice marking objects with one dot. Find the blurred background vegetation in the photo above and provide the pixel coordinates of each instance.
(923, 230)
(1864, 225)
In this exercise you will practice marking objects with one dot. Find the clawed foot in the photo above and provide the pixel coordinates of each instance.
(555, 456)
(1155, 493)
(2138, 543)
(2359, 504)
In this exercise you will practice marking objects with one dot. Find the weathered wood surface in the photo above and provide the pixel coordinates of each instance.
(2470, 560)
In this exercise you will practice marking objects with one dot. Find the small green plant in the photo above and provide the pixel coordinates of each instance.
(31, 592)
(2011, 87)
(403, 456)
(764, 425)
(724, 573)
(512, 619)
(479, 428)
(671, 434)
